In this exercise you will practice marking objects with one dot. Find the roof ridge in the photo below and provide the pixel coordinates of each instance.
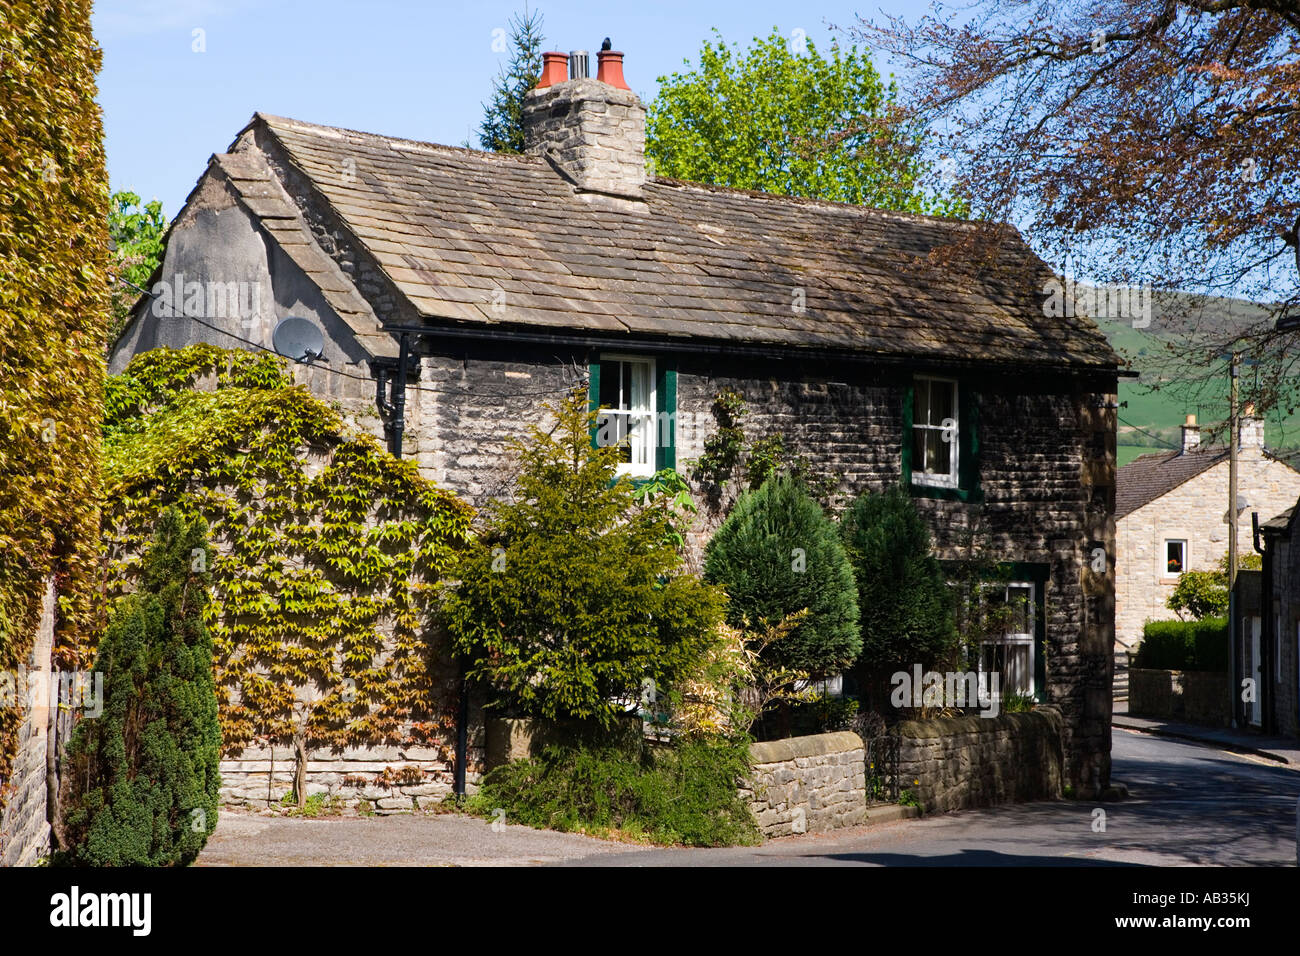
(965, 225)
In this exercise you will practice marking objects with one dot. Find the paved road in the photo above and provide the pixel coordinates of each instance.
(1190, 805)
(436, 839)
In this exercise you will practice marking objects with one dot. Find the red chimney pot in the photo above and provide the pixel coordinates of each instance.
(555, 69)
(611, 69)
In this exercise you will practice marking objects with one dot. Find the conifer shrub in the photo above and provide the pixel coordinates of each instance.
(778, 554)
(574, 600)
(906, 613)
(140, 782)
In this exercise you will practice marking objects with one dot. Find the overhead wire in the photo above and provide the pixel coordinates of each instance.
(360, 378)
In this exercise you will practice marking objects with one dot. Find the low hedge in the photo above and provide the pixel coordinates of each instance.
(1184, 645)
(681, 795)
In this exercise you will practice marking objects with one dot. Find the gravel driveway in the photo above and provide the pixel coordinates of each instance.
(442, 839)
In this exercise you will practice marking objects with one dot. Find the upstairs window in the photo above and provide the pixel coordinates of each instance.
(1175, 558)
(936, 433)
(940, 446)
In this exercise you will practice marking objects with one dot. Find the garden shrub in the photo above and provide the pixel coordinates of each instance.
(777, 554)
(140, 780)
(575, 595)
(1185, 645)
(906, 614)
(1202, 594)
(685, 794)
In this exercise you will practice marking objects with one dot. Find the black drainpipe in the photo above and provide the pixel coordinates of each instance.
(397, 428)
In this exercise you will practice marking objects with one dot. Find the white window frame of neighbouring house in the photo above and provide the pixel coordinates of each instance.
(633, 422)
(1023, 642)
(933, 425)
(1182, 543)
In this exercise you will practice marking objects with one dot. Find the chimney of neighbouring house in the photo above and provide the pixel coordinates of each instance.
(1252, 429)
(1191, 435)
(591, 131)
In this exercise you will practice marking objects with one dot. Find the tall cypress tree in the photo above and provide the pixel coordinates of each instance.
(502, 129)
(776, 554)
(140, 781)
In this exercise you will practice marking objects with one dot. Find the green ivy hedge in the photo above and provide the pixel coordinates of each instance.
(53, 318)
(331, 552)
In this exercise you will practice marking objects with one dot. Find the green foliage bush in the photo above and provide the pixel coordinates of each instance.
(1202, 594)
(140, 781)
(574, 595)
(776, 554)
(686, 794)
(906, 614)
(1185, 645)
(136, 229)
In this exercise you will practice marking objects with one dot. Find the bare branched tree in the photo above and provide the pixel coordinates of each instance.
(1149, 141)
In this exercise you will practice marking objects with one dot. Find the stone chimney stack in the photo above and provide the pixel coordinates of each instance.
(1252, 430)
(1191, 435)
(592, 132)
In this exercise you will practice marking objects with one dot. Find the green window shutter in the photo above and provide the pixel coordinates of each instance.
(666, 402)
(593, 395)
(909, 403)
(968, 463)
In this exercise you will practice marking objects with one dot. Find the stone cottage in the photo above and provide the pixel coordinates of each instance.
(1171, 516)
(884, 346)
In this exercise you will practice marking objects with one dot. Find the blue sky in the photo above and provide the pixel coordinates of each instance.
(397, 67)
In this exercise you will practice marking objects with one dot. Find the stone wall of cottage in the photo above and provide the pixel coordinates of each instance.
(1193, 512)
(24, 826)
(1047, 474)
(1047, 471)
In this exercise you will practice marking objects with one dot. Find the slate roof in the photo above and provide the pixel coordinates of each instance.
(1279, 525)
(451, 226)
(1147, 477)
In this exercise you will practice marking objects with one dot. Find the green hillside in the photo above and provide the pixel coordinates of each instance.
(1150, 418)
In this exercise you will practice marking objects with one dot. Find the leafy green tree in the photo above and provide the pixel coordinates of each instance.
(140, 782)
(907, 616)
(1203, 594)
(136, 232)
(574, 595)
(502, 129)
(777, 554)
(790, 121)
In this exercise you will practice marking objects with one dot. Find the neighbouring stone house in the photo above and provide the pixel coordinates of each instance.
(1266, 644)
(1171, 515)
(884, 346)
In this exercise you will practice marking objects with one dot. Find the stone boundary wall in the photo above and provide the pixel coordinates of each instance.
(24, 827)
(957, 762)
(376, 779)
(807, 784)
(1198, 697)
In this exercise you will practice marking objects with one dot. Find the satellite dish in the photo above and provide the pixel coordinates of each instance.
(298, 339)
